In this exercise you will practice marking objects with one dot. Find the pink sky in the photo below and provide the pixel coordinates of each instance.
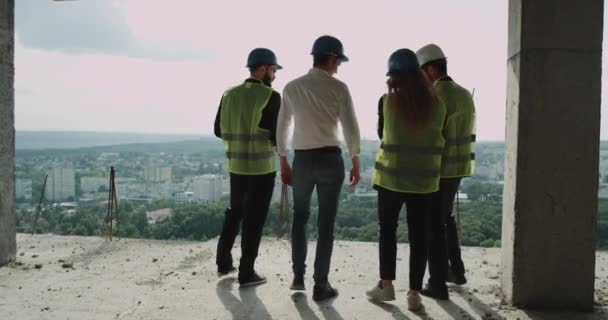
(105, 91)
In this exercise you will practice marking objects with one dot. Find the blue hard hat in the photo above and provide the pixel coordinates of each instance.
(329, 45)
(402, 60)
(262, 56)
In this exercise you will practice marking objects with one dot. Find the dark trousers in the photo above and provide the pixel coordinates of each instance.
(444, 245)
(451, 185)
(323, 169)
(250, 197)
(389, 206)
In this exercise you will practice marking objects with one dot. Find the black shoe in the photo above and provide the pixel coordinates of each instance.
(224, 272)
(253, 280)
(298, 283)
(323, 292)
(458, 279)
(435, 293)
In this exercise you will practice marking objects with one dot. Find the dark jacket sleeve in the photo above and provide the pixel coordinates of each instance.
(270, 114)
(380, 117)
(217, 128)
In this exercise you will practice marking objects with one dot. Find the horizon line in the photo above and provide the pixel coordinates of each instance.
(169, 133)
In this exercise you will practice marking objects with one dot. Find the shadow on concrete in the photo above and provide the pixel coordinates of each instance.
(487, 312)
(483, 310)
(301, 302)
(392, 309)
(458, 313)
(555, 315)
(248, 307)
(397, 314)
(306, 313)
(328, 310)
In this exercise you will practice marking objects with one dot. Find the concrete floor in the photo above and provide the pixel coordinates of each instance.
(58, 277)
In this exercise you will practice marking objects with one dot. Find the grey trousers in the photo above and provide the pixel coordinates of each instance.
(323, 169)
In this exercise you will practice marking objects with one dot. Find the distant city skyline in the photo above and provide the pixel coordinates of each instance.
(110, 66)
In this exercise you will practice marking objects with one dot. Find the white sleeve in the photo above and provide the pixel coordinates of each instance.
(283, 123)
(350, 125)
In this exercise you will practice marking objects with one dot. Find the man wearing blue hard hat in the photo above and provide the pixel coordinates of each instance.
(246, 122)
(317, 102)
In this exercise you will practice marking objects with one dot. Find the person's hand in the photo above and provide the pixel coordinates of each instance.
(354, 172)
(285, 171)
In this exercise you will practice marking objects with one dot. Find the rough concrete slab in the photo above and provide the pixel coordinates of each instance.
(508, 207)
(89, 278)
(557, 176)
(514, 25)
(562, 24)
(551, 164)
(7, 132)
(551, 24)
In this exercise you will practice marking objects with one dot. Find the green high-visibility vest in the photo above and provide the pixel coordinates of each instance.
(407, 161)
(459, 130)
(248, 148)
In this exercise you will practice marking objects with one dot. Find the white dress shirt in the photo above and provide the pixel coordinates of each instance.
(317, 101)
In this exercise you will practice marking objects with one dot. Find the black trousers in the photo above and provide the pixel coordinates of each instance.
(417, 206)
(444, 245)
(451, 185)
(250, 197)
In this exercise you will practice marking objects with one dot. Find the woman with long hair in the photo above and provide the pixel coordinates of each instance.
(407, 169)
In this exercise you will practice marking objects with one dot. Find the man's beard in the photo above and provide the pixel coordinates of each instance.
(267, 80)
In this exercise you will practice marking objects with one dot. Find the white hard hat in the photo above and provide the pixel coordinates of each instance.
(429, 53)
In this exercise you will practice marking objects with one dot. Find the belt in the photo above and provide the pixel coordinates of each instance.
(320, 150)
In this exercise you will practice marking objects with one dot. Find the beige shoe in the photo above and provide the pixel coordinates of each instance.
(414, 302)
(379, 294)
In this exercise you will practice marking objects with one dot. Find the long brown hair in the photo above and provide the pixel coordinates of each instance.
(412, 96)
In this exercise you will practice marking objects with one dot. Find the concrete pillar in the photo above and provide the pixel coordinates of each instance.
(8, 244)
(551, 165)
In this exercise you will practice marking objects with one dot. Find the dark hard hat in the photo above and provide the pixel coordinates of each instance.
(402, 60)
(329, 45)
(262, 56)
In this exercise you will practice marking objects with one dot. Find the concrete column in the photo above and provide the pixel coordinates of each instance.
(551, 164)
(8, 244)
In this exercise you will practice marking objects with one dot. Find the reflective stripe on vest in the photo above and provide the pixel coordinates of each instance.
(403, 149)
(246, 137)
(407, 172)
(458, 159)
(460, 140)
(250, 155)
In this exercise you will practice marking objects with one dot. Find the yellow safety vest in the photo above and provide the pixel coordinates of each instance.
(459, 131)
(407, 162)
(248, 148)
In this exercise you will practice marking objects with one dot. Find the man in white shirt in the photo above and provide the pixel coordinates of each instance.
(317, 102)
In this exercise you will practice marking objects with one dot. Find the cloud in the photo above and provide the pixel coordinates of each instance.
(86, 27)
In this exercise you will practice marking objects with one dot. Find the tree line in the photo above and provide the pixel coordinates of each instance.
(481, 220)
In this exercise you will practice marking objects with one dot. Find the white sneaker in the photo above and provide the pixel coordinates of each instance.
(414, 302)
(379, 294)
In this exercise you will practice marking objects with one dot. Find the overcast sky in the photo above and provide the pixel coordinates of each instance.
(161, 66)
